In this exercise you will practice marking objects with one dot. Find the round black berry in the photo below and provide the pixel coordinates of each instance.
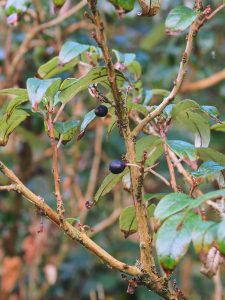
(101, 111)
(117, 166)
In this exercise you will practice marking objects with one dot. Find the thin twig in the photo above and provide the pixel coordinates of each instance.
(74, 27)
(11, 187)
(203, 83)
(169, 162)
(159, 176)
(106, 222)
(60, 206)
(96, 161)
(218, 9)
(59, 112)
(218, 294)
(96, 93)
(60, 141)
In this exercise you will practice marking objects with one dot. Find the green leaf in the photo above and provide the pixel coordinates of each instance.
(147, 96)
(53, 67)
(160, 92)
(59, 3)
(94, 53)
(209, 154)
(128, 222)
(157, 196)
(124, 58)
(209, 238)
(188, 114)
(199, 125)
(220, 238)
(139, 107)
(70, 87)
(21, 96)
(14, 103)
(53, 89)
(111, 125)
(208, 196)
(191, 219)
(183, 107)
(15, 92)
(8, 124)
(135, 68)
(38, 88)
(183, 149)
(168, 111)
(67, 129)
(171, 204)
(151, 144)
(198, 235)
(219, 127)
(179, 19)
(208, 168)
(71, 50)
(172, 241)
(108, 183)
(210, 110)
(88, 118)
(73, 221)
(126, 5)
(150, 210)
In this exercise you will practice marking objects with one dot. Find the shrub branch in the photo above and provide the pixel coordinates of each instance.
(194, 28)
(71, 231)
(123, 123)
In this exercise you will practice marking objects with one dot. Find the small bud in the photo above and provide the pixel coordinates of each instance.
(89, 204)
(59, 3)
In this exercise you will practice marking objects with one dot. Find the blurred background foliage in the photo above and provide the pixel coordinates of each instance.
(47, 265)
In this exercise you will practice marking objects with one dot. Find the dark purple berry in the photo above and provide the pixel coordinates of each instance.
(101, 111)
(117, 166)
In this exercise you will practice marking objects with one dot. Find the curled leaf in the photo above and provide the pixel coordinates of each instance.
(9, 123)
(149, 8)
